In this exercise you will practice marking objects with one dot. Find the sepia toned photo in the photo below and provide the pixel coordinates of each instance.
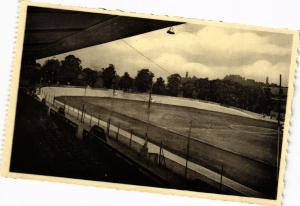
(150, 103)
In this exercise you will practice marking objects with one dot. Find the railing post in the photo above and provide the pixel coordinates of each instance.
(159, 155)
(91, 119)
(54, 101)
(82, 114)
(221, 178)
(108, 126)
(117, 135)
(188, 151)
(130, 139)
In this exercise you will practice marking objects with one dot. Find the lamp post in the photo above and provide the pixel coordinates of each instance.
(188, 149)
(112, 97)
(145, 146)
(85, 90)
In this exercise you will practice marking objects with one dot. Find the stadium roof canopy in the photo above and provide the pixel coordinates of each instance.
(51, 31)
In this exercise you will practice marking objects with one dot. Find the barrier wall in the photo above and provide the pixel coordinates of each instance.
(178, 101)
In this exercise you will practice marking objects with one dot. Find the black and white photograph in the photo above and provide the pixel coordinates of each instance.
(164, 103)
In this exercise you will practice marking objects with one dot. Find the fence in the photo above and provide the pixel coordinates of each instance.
(204, 161)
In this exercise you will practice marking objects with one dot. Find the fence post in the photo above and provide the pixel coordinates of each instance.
(130, 139)
(221, 178)
(82, 112)
(159, 155)
(91, 119)
(117, 135)
(108, 126)
(188, 150)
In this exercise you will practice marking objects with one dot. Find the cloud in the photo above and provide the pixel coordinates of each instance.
(261, 69)
(177, 64)
(214, 46)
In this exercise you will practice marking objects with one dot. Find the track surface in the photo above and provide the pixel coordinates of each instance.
(252, 138)
(246, 147)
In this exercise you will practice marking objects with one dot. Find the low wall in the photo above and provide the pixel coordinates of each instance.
(178, 101)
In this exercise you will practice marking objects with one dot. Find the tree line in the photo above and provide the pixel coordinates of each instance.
(232, 90)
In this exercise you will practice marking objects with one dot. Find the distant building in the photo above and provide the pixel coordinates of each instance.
(276, 97)
(235, 78)
(186, 74)
(249, 82)
(267, 81)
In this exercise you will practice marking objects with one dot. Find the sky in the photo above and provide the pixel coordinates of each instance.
(202, 51)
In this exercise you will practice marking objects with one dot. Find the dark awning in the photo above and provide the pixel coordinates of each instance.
(52, 31)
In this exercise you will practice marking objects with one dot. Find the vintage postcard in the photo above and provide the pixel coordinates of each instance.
(150, 103)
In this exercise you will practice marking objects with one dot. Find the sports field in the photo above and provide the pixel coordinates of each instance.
(246, 147)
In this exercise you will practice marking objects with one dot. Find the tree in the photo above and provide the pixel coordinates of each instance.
(173, 86)
(125, 82)
(89, 76)
(50, 70)
(203, 88)
(70, 69)
(109, 75)
(189, 89)
(30, 73)
(143, 80)
(159, 86)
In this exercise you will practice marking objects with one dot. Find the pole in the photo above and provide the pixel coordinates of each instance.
(221, 178)
(82, 112)
(108, 126)
(279, 125)
(117, 135)
(160, 151)
(98, 119)
(148, 115)
(91, 119)
(112, 103)
(78, 114)
(188, 149)
(130, 140)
